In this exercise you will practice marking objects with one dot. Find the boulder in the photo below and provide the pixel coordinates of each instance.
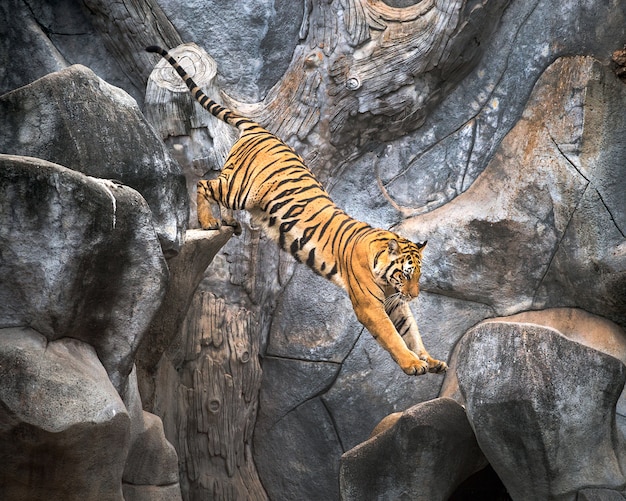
(424, 452)
(74, 118)
(151, 470)
(151, 459)
(80, 259)
(63, 428)
(543, 409)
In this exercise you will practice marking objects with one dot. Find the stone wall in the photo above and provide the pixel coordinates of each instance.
(498, 140)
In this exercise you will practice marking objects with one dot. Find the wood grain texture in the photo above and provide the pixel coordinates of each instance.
(363, 73)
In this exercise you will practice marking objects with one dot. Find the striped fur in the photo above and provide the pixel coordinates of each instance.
(379, 269)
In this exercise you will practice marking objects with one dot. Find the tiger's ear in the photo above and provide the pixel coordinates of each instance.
(393, 247)
(421, 245)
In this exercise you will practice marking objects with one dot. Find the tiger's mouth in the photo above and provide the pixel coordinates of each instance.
(398, 296)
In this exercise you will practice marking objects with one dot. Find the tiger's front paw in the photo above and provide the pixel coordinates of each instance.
(413, 366)
(435, 366)
(209, 223)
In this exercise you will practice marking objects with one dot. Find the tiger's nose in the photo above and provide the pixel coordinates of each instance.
(414, 290)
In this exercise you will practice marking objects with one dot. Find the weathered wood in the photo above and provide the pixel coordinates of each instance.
(211, 419)
(364, 72)
(186, 271)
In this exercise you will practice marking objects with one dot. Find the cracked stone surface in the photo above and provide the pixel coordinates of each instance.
(532, 231)
(532, 218)
(557, 240)
(540, 414)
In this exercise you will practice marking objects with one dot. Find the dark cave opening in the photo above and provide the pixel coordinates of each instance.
(484, 485)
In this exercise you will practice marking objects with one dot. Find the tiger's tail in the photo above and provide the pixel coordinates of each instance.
(217, 110)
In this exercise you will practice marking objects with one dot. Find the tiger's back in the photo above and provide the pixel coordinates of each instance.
(379, 269)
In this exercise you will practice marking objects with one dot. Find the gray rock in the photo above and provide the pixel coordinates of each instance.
(151, 459)
(301, 447)
(251, 40)
(77, 120)
(28, 47)
(291, 382)
(458, 139)
(320, 336)
(542, 408)
(532, 230)
(63, 428)
(79, 259)
(599, 495)
(423, 453)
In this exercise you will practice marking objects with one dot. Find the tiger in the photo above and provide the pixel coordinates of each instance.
(378, 269)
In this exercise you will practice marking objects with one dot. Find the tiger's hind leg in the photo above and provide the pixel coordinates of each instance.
(400, 314)
(206, 201)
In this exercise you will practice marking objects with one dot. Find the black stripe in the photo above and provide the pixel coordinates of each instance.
(332, 272)
(310, 261)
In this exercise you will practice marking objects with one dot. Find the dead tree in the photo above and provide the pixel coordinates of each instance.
(364, 73)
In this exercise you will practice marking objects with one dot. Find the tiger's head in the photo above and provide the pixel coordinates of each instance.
(399, 266)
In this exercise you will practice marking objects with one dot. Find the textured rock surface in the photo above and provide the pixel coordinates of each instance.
(599, 495)
(499, 242)
(472, 271)
(77, 120)
(151, 469)
(80, 258)
(425, 454)
(64, 428)
(81, 263)
(542, 408)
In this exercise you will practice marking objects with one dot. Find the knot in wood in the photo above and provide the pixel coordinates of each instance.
(353, 83)
(214, 406)
(314, 59)
(196, 62)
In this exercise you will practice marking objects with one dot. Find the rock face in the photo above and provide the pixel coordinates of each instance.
(56, 398)
(542, 408)
(541, 212)
(80, 259)
(82, 273)
(425, 454)
(515, 176)
(77, 120)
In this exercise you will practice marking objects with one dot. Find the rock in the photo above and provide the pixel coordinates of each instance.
(355, 396)
(575, 324)
(542, 408)
(499, 242)
(80, 259)
(63, 428)
(305, 447)
(426, 170)
(599, 495)
(77, 120)
(28, 45)
(251, 56)
(186, 270)
(152, 462)
(423, 453)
